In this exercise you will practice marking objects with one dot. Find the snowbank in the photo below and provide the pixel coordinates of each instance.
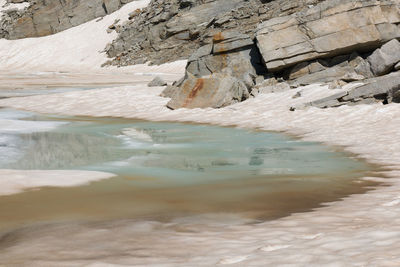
(16, 181)
(78, 49)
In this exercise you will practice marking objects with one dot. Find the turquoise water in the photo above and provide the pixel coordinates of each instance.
(169, 169)
(173, 152)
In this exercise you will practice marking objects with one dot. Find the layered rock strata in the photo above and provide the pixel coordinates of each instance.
(329, 29)
(46, 17)
(329, 42)
(384, 89)
(170, 30)
(218, 74)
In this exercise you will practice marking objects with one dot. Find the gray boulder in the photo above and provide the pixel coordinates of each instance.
(329, 101)
(360, 65)
(157, 81)
(170, 91)
(384, 89)
(216, 91)
(385, 58)
(230, 53)
(219, 74)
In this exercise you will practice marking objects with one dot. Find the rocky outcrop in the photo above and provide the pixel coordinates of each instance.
(237, 49)
(331, 28)
(346, 68)
(213, 91)
(384, 89)
(384, 59)
(218, 74)
(170, 30)
(45, 17)
(330, 42)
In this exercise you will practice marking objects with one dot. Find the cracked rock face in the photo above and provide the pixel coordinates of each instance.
(46, 17)
(326, 30)
(384, 89)
(169, 30)
(236, 48)
(384, 59)
(317, 44)
(218, 74)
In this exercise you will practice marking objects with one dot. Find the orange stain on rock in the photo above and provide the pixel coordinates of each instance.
(218, 37)
(193, 93)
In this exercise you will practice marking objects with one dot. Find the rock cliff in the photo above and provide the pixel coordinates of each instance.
(46, 17)
(169, 30)
(237, 49)
(337, 42)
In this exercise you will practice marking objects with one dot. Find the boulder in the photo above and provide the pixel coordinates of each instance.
(385, 58)
(329, 101)
(384, 89)
(328, 29)
(170, 91)
(360, 65)
(230, 52)
(157, 81)
(220, 73)
(215, 91)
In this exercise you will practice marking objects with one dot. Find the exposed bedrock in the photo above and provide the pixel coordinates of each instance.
(169, 30)
(218, 74)
(46, 17)
(336, 42)
(383, 60)
(331, 28)
(384, 89)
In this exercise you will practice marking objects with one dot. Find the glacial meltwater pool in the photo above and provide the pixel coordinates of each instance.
(167, 170)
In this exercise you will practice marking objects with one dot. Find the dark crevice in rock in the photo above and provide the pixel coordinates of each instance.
(153, 38)
(104, 7)
(257, 60)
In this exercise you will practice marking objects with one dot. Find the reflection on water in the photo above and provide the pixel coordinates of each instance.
(170, 170)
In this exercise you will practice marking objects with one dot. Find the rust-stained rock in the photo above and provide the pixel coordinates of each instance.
(215, 91)
(225, 42)
(219, 74)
